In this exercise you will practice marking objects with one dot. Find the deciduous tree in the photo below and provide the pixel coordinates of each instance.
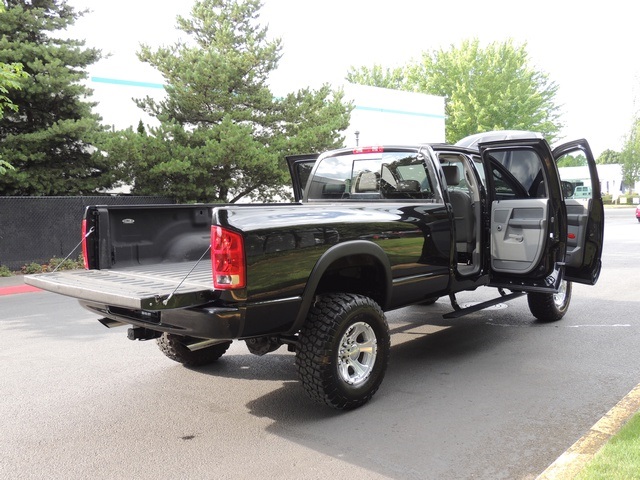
(490, 88)
(608, 157)
(630, 156)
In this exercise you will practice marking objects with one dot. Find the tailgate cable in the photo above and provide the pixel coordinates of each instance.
(91, 230)
(166, 300)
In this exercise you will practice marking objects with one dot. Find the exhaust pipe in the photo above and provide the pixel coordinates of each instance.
(110, 323)
(203, 344)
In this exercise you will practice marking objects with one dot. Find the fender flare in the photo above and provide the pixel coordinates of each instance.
(336, 252)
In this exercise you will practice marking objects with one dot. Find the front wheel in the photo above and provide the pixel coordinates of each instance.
(550, 307)
(175, 347)
(344, 350)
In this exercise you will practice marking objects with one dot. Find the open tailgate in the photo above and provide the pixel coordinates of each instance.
(153, 287)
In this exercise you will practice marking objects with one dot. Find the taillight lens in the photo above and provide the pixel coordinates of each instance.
(227, 259)
(84, 245)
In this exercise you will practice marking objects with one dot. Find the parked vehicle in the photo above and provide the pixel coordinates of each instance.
(582, 191)
(372, 229)
(638, 212)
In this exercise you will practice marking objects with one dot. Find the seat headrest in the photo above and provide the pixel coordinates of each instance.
(451, 174)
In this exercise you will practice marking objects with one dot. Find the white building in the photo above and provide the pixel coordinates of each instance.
(380, 115)
(610, 176)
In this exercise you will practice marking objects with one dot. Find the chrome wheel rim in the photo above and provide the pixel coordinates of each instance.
(357, 353)
(560, 297)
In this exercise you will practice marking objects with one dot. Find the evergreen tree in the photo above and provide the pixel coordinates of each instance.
(48, 137)
(223, 135)
(490, 88)
(10, 79)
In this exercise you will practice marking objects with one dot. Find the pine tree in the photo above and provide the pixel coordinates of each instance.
(48, 138)
(223, 135)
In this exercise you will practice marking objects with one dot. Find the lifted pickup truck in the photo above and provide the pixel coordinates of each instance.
(372, 229)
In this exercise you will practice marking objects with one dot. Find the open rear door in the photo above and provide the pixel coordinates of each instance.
(585, 212)
(528, 222)
(300, 167)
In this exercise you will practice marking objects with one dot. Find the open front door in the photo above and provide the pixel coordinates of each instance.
(300, 167)
(585, 211)
(527, 222)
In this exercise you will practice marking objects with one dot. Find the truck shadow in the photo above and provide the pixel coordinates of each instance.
(428, 339)
(423, 371)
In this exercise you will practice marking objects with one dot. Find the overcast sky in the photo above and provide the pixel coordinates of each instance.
(590, 49)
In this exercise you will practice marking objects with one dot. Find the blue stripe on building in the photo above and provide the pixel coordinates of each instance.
(133, 83)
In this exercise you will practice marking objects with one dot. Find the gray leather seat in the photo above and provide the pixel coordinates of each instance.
(462, 210)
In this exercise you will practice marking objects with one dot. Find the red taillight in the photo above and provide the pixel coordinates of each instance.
(84, 245)
(368, 150)
(227, 259)
(572, 236)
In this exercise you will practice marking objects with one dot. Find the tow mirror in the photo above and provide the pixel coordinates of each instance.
(567, 189)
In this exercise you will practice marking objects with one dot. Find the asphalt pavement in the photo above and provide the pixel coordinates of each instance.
(492, 395)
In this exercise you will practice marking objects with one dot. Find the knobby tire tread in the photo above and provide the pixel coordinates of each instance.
(174, 348)
(314, 357)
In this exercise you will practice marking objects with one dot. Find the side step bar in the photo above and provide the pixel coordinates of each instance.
(460, 312)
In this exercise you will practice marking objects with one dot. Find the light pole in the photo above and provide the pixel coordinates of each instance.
(357, 136)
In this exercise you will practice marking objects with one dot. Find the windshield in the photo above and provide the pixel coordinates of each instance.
(388, 174)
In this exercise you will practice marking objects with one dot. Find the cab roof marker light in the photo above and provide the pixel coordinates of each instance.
(373, 149)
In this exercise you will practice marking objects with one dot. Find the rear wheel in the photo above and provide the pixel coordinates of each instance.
(550, 307)
(175, 347)
(344, 350)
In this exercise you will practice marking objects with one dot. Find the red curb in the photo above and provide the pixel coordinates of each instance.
(18, 289)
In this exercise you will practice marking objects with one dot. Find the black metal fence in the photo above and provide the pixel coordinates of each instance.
(37, 229)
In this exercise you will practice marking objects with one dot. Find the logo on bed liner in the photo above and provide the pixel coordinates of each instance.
(128, 221)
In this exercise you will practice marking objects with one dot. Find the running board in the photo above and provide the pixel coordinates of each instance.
(460, 312)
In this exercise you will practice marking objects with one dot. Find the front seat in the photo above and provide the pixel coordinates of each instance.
(462, 210)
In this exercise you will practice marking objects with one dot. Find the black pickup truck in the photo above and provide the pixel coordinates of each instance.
(372, 229)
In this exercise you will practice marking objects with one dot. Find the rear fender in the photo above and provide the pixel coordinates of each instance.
(357, 248)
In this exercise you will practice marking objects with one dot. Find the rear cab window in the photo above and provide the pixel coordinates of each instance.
(375, 174)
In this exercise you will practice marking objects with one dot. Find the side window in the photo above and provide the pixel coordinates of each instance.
(517, 174)
(575, 176)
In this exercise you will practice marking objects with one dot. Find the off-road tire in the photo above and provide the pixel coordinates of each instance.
(343, 351)
(173, 346)
(550, 307)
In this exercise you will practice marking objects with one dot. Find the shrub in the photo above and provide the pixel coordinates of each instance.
(64, 265)
(33, 267)
(54, 263)
(5, 272)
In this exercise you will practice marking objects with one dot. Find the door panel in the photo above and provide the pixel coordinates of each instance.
(518, 229)
(528, 228)
(300, 167)
(585, 211)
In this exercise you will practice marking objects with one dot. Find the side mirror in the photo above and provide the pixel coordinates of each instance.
(567, 189)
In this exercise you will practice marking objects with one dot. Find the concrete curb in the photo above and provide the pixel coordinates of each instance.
(571, 462)
(11, 281)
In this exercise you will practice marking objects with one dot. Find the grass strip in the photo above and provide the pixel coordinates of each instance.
(619, 459)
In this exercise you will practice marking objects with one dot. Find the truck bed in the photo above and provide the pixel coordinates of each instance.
(143, 287)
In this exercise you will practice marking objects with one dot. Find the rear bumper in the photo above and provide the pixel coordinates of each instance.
(221, 323)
